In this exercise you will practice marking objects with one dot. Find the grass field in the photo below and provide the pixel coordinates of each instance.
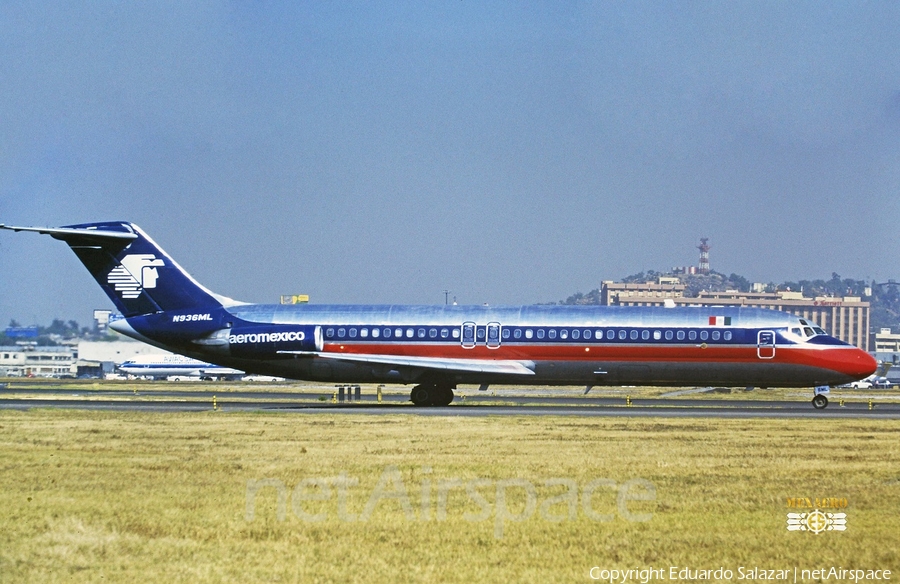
(107, 496)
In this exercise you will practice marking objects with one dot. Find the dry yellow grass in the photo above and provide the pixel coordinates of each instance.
(91, 496)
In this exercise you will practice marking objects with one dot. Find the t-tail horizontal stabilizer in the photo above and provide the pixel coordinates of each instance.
(137, 275)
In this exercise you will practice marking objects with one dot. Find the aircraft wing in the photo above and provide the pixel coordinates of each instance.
(507, 367)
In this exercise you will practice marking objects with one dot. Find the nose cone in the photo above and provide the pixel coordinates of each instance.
(858, 364)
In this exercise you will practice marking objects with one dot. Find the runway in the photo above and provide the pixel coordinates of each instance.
(320, 402)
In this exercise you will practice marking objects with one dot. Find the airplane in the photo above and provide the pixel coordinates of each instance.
(176, 367)
(435, 348)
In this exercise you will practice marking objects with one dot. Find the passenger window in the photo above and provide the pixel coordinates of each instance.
(668, 335)
(727, 335)
(657, 335)
(479, 334)
(551, 333)
(353, 333)
(505, 334)
(329, 332)
(576, 334)
(410, 332)
(421, 333)
(398, 332)
(342, 333)
(716, 335)
(680, 335)
(704, 335)
(634, 334)
(645, 335)
(432, 333)
(364, 332)
(455, 333)
(623, 334)
(692, 335)
(564, 334)
(610, 334)
(528, 333)
(375, 333)
(540, 333)
(445, 333)
(387, 333)
(517, 334)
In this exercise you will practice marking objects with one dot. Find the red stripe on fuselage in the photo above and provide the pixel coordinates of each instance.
(844, 359)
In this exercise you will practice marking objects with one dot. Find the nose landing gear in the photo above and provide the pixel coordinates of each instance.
(820, 401)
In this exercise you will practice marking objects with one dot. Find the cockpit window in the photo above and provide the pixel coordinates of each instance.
(808, 330)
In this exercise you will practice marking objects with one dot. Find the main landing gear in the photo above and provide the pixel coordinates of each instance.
(431, 394)
(819, 401)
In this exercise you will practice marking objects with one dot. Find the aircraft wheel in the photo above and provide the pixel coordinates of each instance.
(820, 402)
(421, 395)
(443, 396)
(430, 394)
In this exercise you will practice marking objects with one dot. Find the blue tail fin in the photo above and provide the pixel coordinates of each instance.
(137, 275)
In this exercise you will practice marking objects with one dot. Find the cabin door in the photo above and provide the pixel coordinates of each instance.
(493, 335)
(468, 335)
(765, 344)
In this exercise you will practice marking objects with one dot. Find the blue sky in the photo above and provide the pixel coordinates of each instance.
(512, 153)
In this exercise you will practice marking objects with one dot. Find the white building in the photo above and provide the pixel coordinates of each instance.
(31, 360)
(91, 357)
(115, 351)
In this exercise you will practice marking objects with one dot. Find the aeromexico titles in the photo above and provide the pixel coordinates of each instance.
(434, 348)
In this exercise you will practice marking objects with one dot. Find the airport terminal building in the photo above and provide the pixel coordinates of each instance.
(93, 358)
(32, 361)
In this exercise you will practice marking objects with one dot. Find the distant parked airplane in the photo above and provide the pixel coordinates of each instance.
(438, 347)
(176, 366)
